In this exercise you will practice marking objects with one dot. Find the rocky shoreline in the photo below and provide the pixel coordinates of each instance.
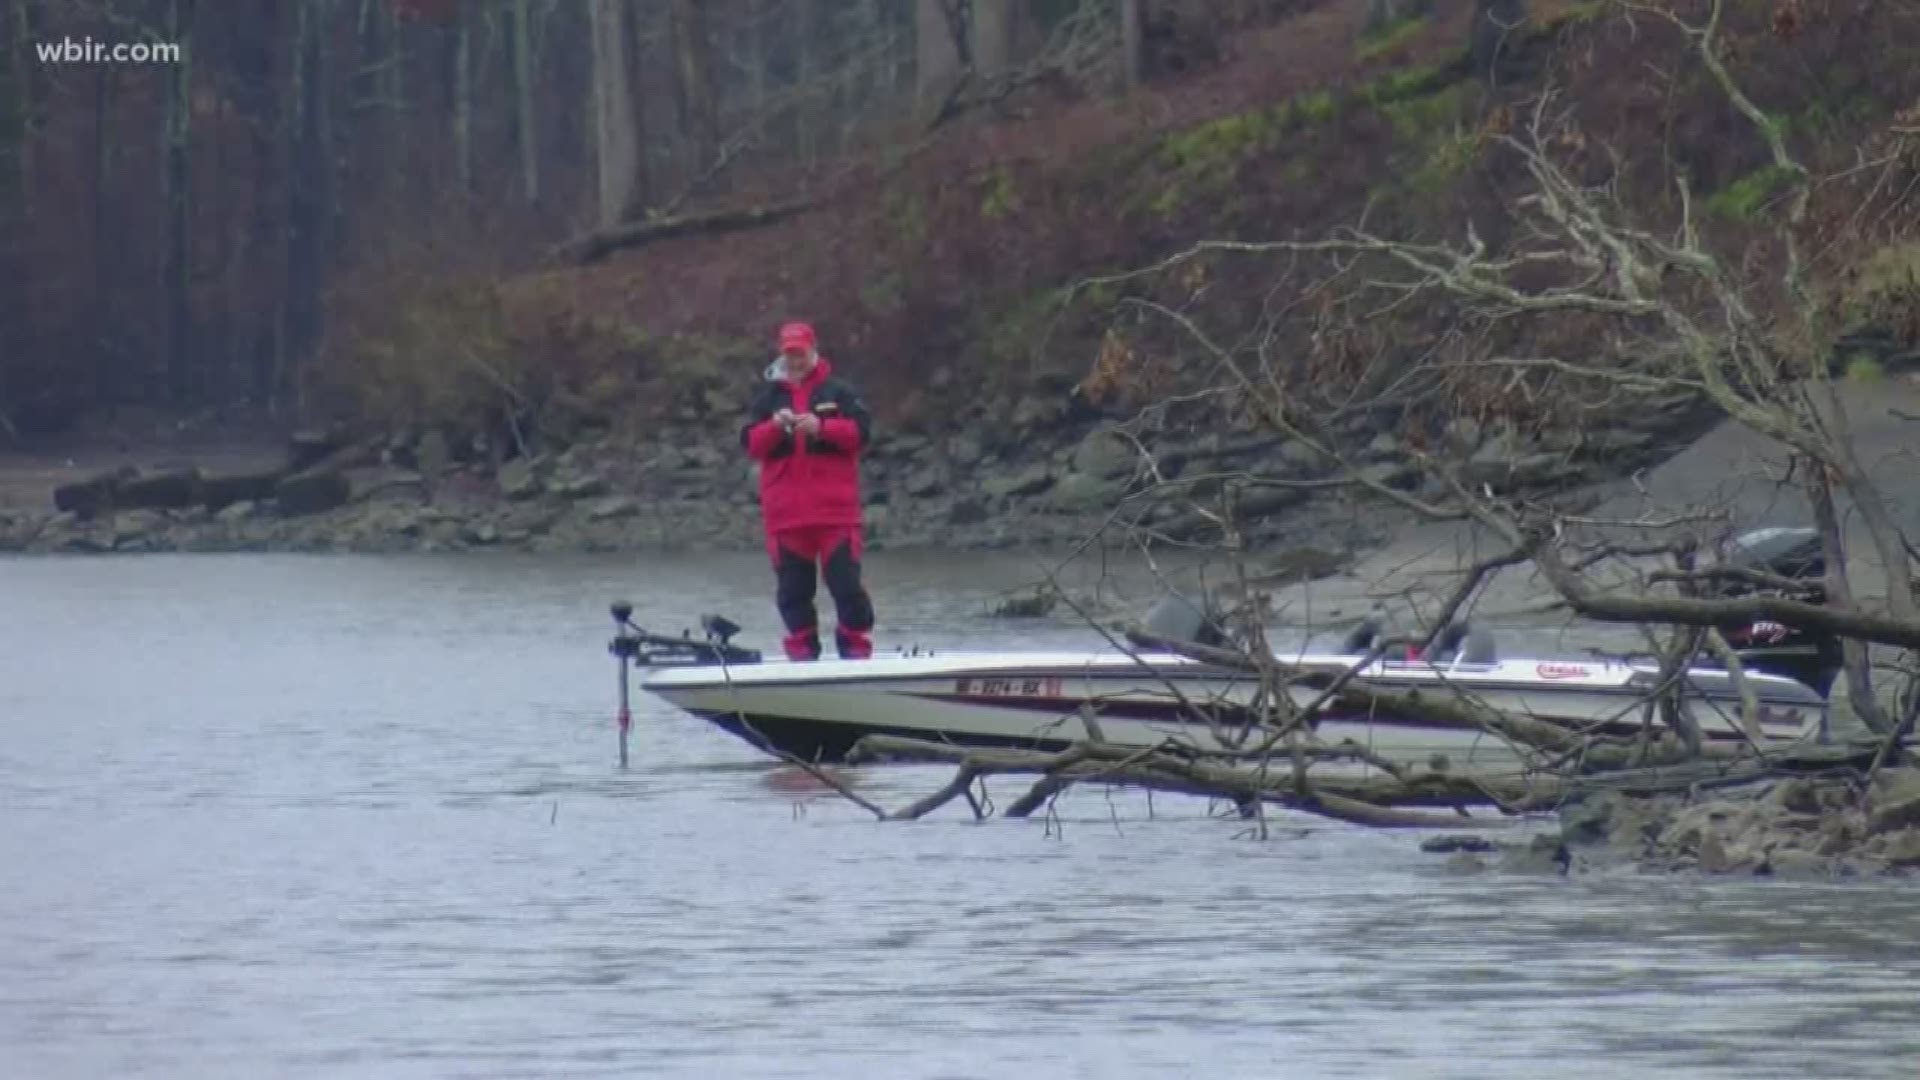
(1803, 828)
(1050, 479)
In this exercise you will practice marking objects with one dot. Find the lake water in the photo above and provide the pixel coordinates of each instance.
(296, 817)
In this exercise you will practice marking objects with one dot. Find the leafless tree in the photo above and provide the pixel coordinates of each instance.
(1683, 321)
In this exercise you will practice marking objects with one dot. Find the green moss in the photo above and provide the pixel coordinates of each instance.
(1864, 369)
(884, 293)
(1418, 118)
(1389, 38)
(906, 216)
(1885, 289)
(1419, 81)
(1010, 334)
(1583, 13)
(1444, 162)
(999, 197)
(1316, 107)
(1206, 159)
(1743, 199)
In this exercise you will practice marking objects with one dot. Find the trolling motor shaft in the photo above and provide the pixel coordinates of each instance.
(625, 647)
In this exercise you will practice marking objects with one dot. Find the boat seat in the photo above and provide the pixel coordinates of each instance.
(1465, 643)
(1361, 638)
(1181, 619)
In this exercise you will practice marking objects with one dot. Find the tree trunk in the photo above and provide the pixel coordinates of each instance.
(937, 56)
(310, 189)
(463, 100)
(616, 143)
(523, 75)
(693, 67)
(105, 378)
(806, 78)
(16, 116)
(1133, 60)
(994, 23)
(179, 198)
(886, 75)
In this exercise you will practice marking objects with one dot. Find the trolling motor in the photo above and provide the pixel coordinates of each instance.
(632, 645)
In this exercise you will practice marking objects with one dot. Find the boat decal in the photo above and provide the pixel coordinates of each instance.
(1044, 687)
(1547, 669)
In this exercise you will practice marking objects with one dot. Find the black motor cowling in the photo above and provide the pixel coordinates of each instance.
(1766, 646)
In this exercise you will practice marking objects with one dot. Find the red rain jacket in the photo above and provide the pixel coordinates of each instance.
(808, 481)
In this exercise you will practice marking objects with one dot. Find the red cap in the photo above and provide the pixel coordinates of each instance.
(796, 335)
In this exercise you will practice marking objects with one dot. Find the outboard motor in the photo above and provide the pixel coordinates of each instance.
(1797, 553)
(1181, 619)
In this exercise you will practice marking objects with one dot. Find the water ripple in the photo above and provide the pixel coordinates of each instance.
(302, 833)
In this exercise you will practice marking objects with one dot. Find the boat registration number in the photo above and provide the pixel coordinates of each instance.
(1047, 687)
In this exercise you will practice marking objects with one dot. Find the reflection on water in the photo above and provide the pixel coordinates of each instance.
(324, 817)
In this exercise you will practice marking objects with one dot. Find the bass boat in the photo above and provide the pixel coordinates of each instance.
(1048, 700)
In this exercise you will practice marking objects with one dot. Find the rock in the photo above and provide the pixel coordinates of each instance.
(385, 481)
(519, 479)
(1297, 564)
(1462, 434)
(1028, 481)
(1894, 800)
(1035, 604)
(1797, 795)
(235, 511)
(577, 486)
(86, 543)
(1400, 475)
(432, 455)
(1464, 862)
(1546, 853)
(482, 534)
(1384, 445)
(1901, 849)
(610, 507)
(719, 402)
(134, 524)
(1714, 856)
(312, 492)
(1444, 844)
(1035, 412)
(1792, 864)
(1103, 454)
(965, 449)
(924, 481)
(701, 459)
(967, 512)
(1612, 442)
(907, 446)
(1300, 457)
(1077, 491)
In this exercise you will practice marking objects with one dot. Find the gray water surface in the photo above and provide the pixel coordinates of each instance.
(324, 817)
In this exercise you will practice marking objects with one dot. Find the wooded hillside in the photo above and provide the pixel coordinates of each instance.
(416, 211)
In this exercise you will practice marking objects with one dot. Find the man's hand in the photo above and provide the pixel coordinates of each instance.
(785, 418)
(808, 424)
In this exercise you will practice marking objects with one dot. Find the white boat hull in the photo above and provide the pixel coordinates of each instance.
(818, 710)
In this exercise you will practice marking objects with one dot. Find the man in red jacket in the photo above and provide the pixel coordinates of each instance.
(806, 429)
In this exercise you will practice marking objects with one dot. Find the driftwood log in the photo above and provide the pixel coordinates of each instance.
(598, 245)
(1384, 802)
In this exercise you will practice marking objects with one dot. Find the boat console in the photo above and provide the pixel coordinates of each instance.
(1459, 641)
